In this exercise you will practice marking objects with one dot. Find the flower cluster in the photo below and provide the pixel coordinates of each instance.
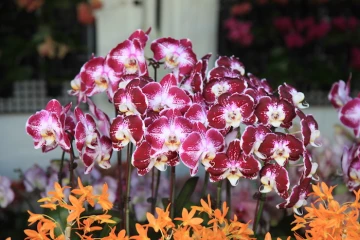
(188, 226)
(191, 115)
(327, 218)
(39, 180)
(239, 31)
(6, 193)
(348, 109)
(297, 33)
(75, 205)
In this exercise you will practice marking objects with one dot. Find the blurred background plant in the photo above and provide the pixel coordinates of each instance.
(304, 43)
(44, 40)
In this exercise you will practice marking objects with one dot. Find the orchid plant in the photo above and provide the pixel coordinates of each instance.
(231, 123)
(348, 109)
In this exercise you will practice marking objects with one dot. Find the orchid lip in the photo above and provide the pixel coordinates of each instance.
(172, 60)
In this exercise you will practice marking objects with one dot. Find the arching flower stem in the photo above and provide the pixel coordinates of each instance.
(205, 186)
(228, 198)
(128, 184)
(259, 209)
(218, 195)
(172, 192)
(60, 174)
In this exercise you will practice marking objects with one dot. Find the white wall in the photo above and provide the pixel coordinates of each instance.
(17, 148)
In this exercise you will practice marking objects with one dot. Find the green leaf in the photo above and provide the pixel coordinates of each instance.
(107, 227)
(59, 215)
(185, 194)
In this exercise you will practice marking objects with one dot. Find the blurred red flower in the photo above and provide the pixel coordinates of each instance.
(283, 24)
(355, 58)
(85, 13)
(30, 5)
(241, 8)
(294, 40)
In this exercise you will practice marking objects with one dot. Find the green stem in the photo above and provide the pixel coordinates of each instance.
(218, 194)
(205, 186)
(119, 184)
(60, 174)
(228, 198)
(72, 166)
(259, 210)
(172, 192)
(154, 199)
(128, 184)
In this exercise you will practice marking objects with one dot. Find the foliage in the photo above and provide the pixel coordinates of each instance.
(283, 40)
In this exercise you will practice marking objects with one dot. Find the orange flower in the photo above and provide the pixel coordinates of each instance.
(112, 236)
(103, 218)
(34, 217)
(87, 228)
(189, 220)
(103, 199)
(96, 4)
(323, 192)
(162, 223)
(206, 207)
(76, 208)
(328, 219)
(142, 233)
(183, 234)
(84, 237)
(85, 192)
(51, 206)
(58, 194)
(40, 234)
(268, 237)
(49, 226)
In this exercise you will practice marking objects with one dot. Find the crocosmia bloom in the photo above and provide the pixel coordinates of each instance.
(46, 128)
